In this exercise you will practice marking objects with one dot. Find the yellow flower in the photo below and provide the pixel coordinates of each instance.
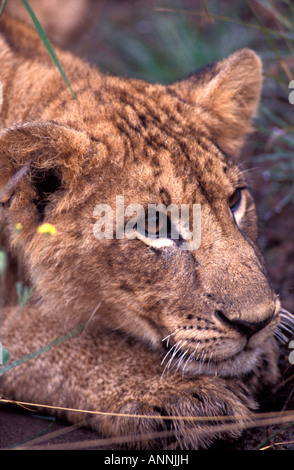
(48, 229)
(18, 227)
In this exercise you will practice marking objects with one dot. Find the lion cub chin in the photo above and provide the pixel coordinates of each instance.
(131, 233)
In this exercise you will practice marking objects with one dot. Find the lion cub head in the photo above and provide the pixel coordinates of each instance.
(80, 165)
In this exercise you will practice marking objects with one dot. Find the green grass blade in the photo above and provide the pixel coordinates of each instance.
(271, 43)
(40, 351)
(47, 44)
(39, 434)
(2, 6)
(279, 34)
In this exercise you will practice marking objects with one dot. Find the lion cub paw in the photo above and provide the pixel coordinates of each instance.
(181, 414)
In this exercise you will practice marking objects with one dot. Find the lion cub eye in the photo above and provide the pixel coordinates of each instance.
(235, 200)
(237, 205)
(159, 225)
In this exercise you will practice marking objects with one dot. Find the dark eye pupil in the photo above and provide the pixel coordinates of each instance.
(161, 224)
(235, 199)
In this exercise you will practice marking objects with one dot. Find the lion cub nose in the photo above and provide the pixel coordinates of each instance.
(244, 327)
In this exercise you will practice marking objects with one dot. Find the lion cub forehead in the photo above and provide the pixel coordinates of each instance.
(169, 176)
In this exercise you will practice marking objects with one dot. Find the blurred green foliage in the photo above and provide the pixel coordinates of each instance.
(167, 40)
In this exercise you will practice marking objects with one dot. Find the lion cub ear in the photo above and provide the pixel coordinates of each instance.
(226, 94)
(36, 160)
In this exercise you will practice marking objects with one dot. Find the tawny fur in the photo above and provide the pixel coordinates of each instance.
(139, 302)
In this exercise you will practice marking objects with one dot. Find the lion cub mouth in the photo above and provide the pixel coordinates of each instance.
(235, 357)
(236, 365)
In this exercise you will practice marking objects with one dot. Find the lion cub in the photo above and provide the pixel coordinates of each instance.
(170, 325)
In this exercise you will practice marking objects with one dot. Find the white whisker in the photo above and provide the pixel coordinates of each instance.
(181, 358)
(197, 357)
(195, 350)
(185, 365)
(168, 352)
(281, 325)
(285, 313)
(176, 362)
(282, 309)
(177, 347)
(167, 364)
(168, 336)
(286, 320)
(202, 357)
(280, 336)
(190, 358)
(92, 315)
(286, 325)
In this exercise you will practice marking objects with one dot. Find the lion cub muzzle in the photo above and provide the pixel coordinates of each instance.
(244, 327)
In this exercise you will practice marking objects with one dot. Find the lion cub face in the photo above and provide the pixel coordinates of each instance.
(129, 143)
